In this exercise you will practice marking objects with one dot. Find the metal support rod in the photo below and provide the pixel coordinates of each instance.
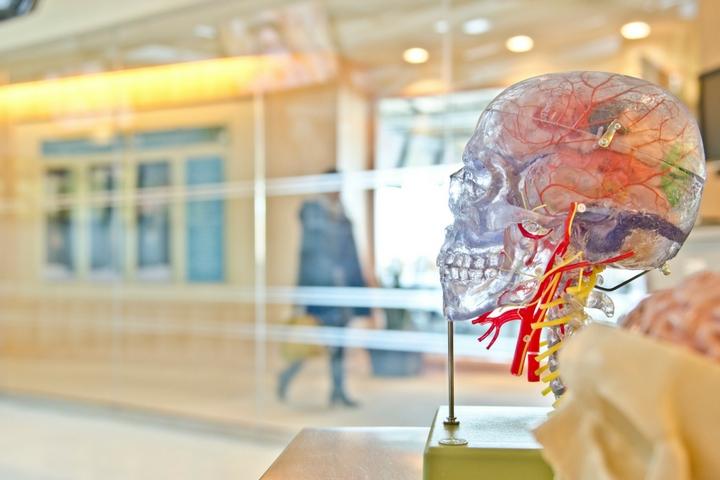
(451, 419)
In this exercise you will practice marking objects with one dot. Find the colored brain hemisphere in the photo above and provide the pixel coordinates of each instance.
(620, 145)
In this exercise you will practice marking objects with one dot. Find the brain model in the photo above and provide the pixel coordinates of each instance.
(564, 175)
(688, 315)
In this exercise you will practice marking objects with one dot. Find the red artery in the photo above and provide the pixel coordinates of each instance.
(528, 341)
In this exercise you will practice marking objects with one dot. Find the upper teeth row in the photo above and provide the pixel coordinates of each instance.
(459, 273)
(464, 260)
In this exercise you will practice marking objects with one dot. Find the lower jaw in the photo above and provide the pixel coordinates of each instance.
(459, 314)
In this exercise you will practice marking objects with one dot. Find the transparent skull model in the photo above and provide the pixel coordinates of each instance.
(564, 175)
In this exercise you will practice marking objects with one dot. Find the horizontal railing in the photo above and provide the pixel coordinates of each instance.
(274, 187)
(466, 345)
(420, 299)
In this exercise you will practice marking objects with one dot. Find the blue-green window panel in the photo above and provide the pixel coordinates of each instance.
(153, 220)
(153, 174)
(149, 140)
(106, 240)
(205, 223)
(80, 146)
(177, 137)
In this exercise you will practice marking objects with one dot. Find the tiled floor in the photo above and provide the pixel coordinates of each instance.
(230, 393)
(52, 441)
(132, 419)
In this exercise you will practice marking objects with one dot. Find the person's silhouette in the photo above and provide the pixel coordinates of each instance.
(328, 258)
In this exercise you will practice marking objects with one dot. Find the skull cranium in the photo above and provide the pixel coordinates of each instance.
(626, 150)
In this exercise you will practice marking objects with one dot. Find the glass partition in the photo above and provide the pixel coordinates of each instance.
(231, 212)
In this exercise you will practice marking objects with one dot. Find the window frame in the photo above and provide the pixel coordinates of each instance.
(126, 197)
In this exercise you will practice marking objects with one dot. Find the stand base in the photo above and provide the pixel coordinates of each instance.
(498, 445)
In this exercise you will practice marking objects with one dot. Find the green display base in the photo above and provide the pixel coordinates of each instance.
(499, 445)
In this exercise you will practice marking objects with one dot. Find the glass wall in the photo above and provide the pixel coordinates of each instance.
(231, 211)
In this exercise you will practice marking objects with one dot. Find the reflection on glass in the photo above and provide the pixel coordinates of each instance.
(153, 224)
(328, 258)
(205, 223)
(235, 105)
(427, 130)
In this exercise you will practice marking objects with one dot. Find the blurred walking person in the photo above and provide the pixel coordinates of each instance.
(328, 258)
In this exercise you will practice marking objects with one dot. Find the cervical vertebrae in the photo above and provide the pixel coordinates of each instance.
(564, 290)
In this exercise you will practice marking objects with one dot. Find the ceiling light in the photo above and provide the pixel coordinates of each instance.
(205, 31)
(635, 30)
(688, 11)
(416, 55)
(519, 43)
(476, 26)
(441, 26)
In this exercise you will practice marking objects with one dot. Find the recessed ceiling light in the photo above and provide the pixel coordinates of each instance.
(476, 26)
(635, 30)
(204, 31)
(441, 26)
(519, 43)
(688, 11)
(416, 55)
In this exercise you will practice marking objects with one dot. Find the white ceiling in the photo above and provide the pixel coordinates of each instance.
(54, 19)
(72, 36)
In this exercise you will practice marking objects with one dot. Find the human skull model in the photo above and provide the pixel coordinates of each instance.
(580, 169)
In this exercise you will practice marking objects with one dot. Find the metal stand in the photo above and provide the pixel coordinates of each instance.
(451, 422)
(451, 419)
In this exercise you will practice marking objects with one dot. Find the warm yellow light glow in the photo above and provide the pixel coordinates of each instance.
(635, 30)
(519, 43)
(153, 87)
(427, 86)
(416, 55)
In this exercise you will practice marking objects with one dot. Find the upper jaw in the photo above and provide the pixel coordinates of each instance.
(466, 275)
(466, 268)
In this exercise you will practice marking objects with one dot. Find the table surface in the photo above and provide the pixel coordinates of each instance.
(352, 453)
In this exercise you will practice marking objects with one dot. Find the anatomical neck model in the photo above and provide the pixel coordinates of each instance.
(566, 174)
(565, 289)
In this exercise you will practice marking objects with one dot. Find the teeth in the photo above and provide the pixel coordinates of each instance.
(476, 274)
(464, 267)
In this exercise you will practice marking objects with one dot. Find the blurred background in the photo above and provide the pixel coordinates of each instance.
(219, 220)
